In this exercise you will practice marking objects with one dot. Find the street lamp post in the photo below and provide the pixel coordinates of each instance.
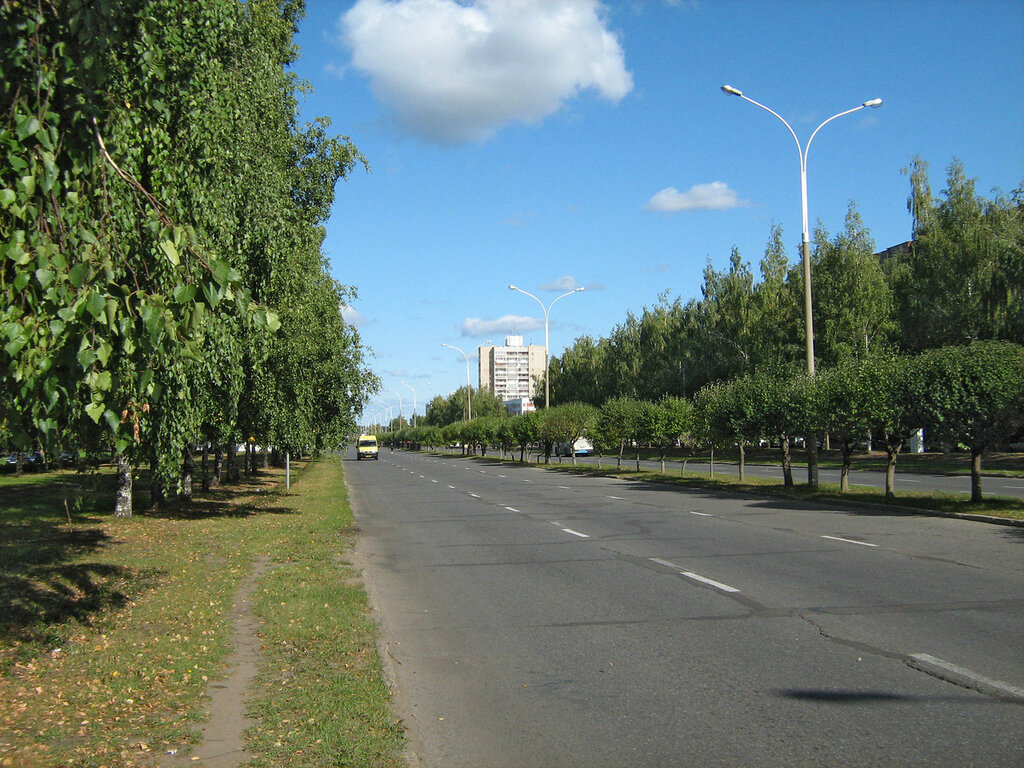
(547, 347)
(413, 403)
(469, 387)
(812, 442)
(396, 394)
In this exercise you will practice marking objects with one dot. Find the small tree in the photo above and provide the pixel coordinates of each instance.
(567, 423)
(848, 397)
(711, 419)
(617, 422)
(678, 425)
(894, 417)
(524, 430)
(972, 395)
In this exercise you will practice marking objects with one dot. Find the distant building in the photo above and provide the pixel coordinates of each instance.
(519, 406)
(896, 250)
(511, 371)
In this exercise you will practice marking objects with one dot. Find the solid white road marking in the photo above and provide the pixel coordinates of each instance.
(849, 541)
(998, 685)
(667, 564)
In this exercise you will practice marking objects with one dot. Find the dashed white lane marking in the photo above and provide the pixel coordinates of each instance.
(564, 487)
(433, 481)
(570, 530)
(1018, 487)
(475, 495)
(958, 673)
(511, 509)
(452, 487)
(694, 576)
(709, 582)
(617, 498)
(576, 533)
(700, 514)
(850, 541)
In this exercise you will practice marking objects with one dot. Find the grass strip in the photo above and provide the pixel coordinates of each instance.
(321, 697)
(111, 630)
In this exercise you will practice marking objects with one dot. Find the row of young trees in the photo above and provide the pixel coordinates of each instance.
(959, 280)
(161, 214)
(970, 396)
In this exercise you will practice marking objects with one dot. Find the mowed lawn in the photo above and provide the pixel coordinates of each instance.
(111, 630)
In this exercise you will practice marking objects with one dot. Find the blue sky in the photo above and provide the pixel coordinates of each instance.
(562, 143)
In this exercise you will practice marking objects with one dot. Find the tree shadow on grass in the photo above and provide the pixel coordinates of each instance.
(42, 586)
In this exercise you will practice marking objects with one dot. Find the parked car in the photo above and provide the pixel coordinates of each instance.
(30, 460)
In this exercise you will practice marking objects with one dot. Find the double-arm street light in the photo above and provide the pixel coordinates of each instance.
(812, 443)
(547, 348)
(469, 387)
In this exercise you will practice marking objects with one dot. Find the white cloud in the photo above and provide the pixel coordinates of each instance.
(476, 326)
(456, 72)
(564, 283)
(715, 196)
(351, 315)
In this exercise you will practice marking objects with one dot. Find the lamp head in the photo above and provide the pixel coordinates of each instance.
(874, 103)
(732, 91)
(512, 288)
(581, 288)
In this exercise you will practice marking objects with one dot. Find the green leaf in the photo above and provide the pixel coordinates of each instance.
(273, 322)
(45, 277)
(87, 357)
(96, 304)
(27, 127)
(79, 273)
(170, 251)
(184, 293)
(7, 196)
(95, 411)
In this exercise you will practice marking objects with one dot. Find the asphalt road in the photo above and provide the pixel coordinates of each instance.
(991, 485)
(536, 619)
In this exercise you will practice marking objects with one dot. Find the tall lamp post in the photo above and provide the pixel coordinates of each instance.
(413, 402)
(547, 347)
(812, 442)
(399, 396)
(469, 387)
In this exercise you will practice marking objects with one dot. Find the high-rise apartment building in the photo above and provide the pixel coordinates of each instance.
(511, 371)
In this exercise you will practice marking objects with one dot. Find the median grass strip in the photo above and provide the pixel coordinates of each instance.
(111, 630)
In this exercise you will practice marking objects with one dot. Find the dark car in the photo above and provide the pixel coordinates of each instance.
(30, 460)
